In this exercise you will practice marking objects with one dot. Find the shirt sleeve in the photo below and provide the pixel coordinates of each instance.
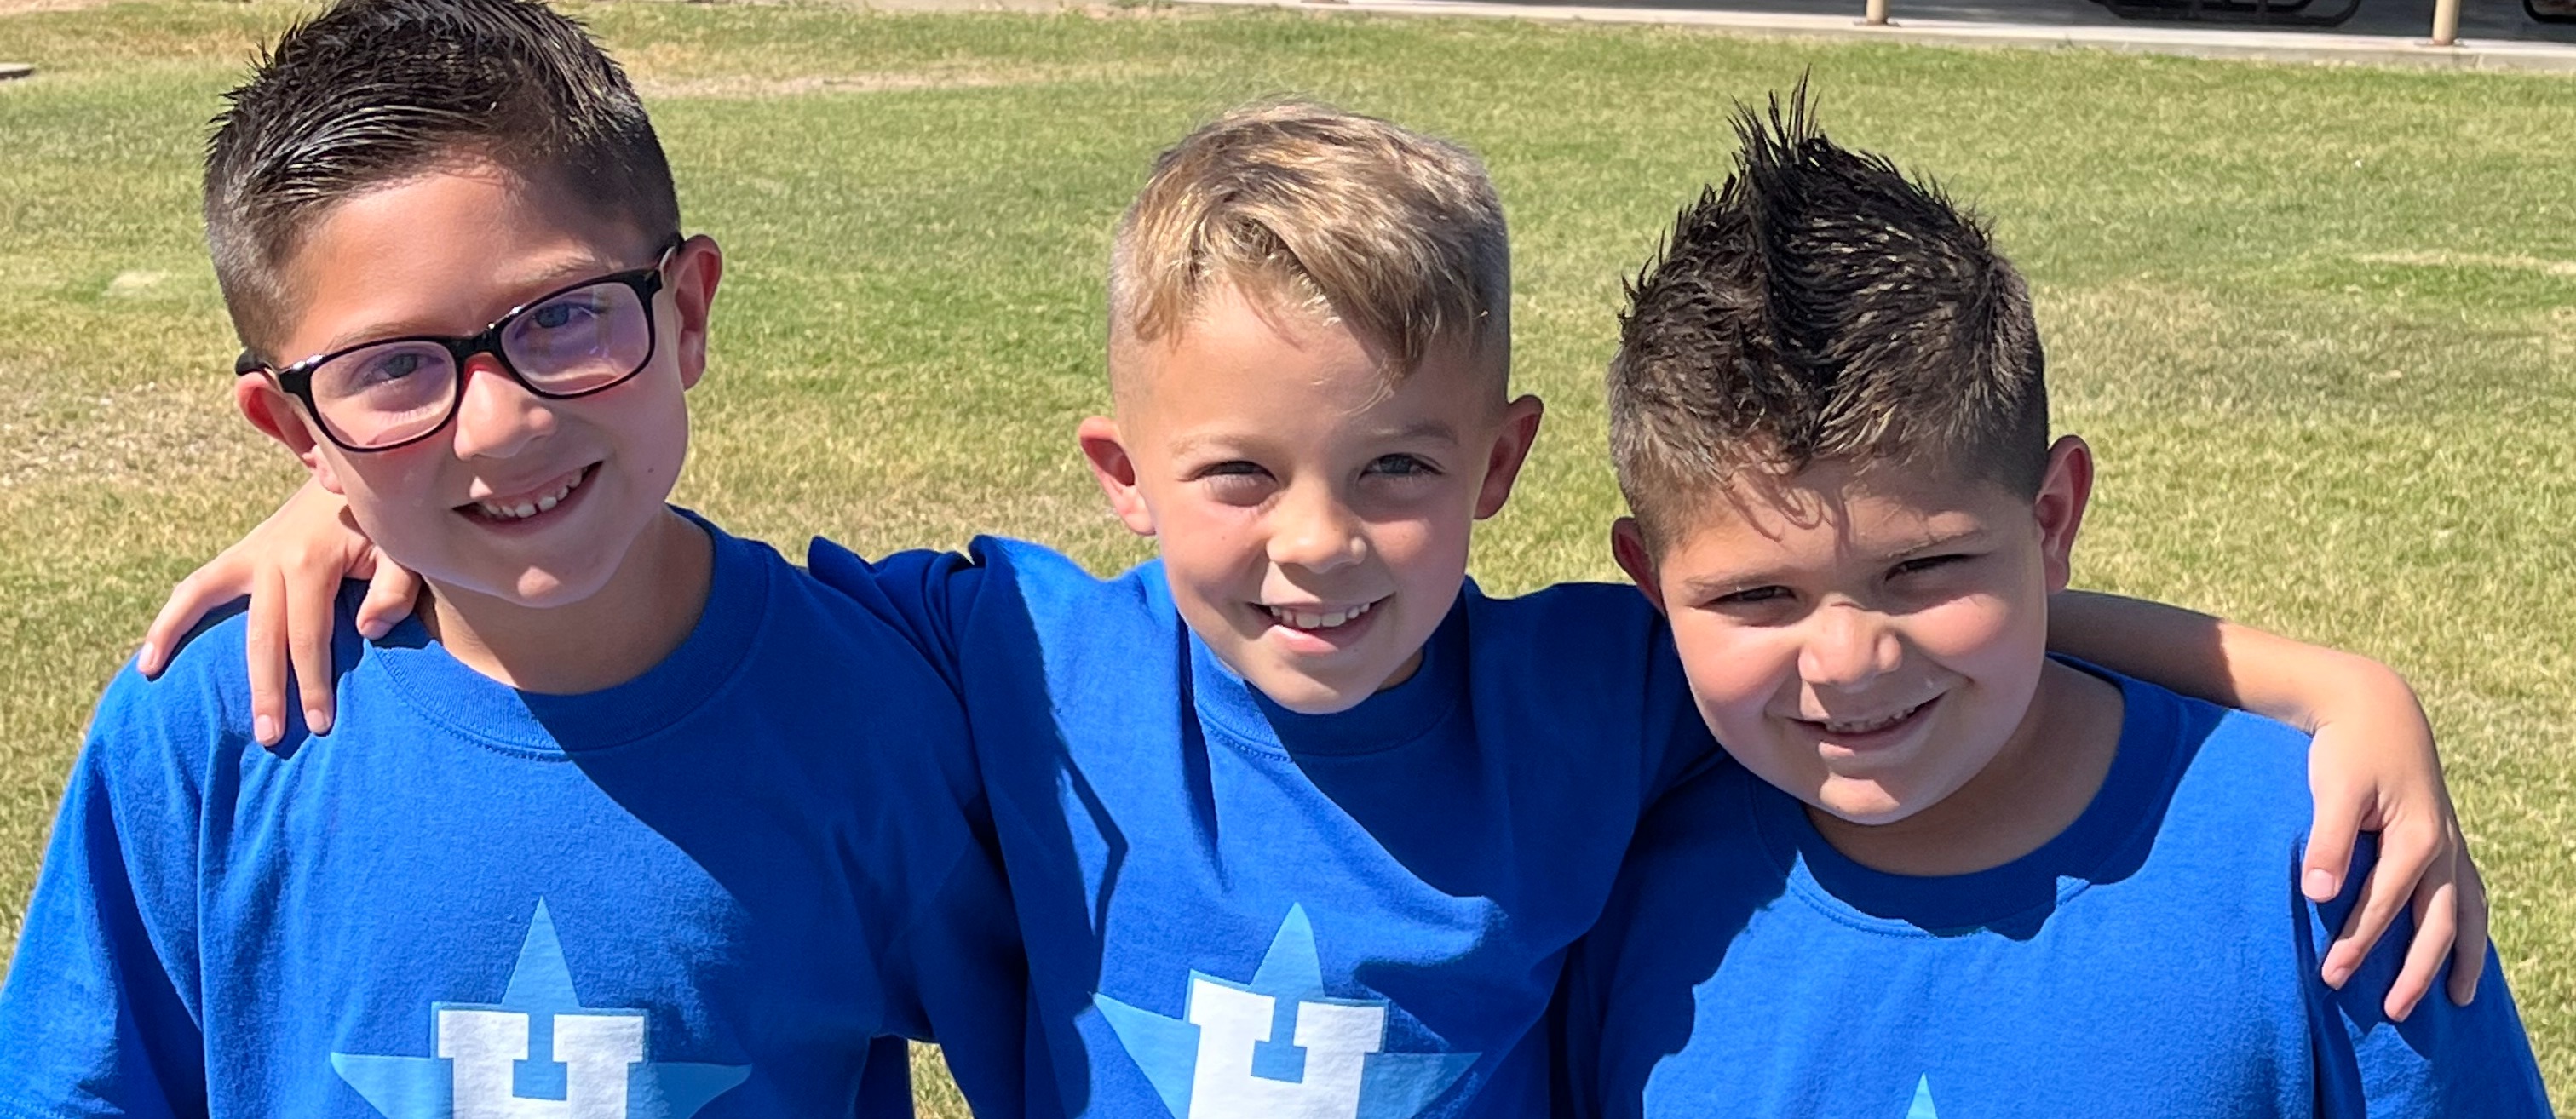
(2443, 1060)
(958, 974)
(961, 964)
(100, 1013)
(925, 595)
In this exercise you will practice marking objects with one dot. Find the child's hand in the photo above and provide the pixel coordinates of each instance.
(2373, 768)
(291, 567)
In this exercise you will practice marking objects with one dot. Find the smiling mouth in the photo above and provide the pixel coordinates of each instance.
(1866, 726)
(525, 506)
(1313, 621)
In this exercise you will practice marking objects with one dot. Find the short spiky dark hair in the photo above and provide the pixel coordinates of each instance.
(1821, 305)
(372, 92)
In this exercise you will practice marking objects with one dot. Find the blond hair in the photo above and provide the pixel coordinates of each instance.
(1395, 235)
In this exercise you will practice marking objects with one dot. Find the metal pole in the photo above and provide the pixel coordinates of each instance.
(2446, 22)
(1877, 12)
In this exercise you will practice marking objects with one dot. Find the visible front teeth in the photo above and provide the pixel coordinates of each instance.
(1867, 726)
(1298, 619)
(525, 509)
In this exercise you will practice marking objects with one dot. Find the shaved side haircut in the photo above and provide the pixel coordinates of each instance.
(1820, 304)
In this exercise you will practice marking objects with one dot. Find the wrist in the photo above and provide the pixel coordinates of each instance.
(2351, 689)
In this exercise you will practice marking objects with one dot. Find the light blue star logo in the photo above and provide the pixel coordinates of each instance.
(1922, 1108)
(1279, 1046)
(537, 1052)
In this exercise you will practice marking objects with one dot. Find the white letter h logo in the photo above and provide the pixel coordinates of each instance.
(1337, 1039)
(596, 1051)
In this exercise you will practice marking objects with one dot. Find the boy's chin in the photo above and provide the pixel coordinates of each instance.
(1305, 694)
(1865, 803)
(525, 588)
(548, 590)
(1336, 689)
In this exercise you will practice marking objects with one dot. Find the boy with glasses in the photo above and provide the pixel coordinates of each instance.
(1298, 821)
(635, 819)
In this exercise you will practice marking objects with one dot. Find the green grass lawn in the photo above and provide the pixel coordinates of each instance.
(2320, 324)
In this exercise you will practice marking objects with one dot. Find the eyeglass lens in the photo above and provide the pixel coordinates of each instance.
(580, 341)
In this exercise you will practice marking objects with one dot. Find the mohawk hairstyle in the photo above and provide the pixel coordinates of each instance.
(1821, 305)
(1395, 234)
(372, 92)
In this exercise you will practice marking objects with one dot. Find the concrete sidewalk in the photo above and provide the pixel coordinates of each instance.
(2053, 23)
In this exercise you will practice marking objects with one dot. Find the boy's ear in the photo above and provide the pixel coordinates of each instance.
(1628, 546)
(1511, 449)
(1116, 472)
(275, 415)
(695, 269)
(2063, 493)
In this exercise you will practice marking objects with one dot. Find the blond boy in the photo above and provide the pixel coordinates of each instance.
(1297, 820)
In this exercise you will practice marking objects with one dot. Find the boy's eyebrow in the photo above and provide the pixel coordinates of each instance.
(1427, 429)
(370, 332)
(1189, 445)
(1440, 430)
(1702, 587)
(1933, 542)
(537, 284)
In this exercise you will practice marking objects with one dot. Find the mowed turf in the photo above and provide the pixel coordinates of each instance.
(2319, 323)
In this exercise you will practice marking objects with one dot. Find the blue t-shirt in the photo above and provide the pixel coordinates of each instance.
(1235, 910)
(709, 891)
(2156, 960)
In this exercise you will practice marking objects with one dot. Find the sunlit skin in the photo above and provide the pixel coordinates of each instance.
(1313, 514)
(1874, 643)
(605, 583)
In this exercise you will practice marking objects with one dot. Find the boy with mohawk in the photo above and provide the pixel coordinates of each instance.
(1298, 822)
(1952, 876)
(636, 819)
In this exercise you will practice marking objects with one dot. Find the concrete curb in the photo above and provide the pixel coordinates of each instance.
(2277, 46)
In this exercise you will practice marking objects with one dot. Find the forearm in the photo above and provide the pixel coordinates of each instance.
(2222, 662)
(2372, 766)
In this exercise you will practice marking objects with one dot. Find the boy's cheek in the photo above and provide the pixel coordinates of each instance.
(1429, 554)
(2002, 625)
(393, 495)
(1731, 678)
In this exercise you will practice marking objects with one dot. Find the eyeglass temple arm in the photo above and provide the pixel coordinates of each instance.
(247, 364)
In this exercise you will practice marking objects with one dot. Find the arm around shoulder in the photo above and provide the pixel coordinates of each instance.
(927, 596)
(2373, 768)
(2442, 1060)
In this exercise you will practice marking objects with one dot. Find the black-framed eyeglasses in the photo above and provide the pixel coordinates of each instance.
(571, 342)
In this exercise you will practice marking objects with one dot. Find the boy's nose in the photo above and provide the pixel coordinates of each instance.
(498, 416)
(1315, 531)
(1849, 648)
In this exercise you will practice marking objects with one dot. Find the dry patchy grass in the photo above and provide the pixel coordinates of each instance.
(2326, 356)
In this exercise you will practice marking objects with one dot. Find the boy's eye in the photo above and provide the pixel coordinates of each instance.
(393, 367)
(389, 367)
(1751, 596)
(1401, 466)
(1235, 482)
(561, 313)
(1927, 563)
